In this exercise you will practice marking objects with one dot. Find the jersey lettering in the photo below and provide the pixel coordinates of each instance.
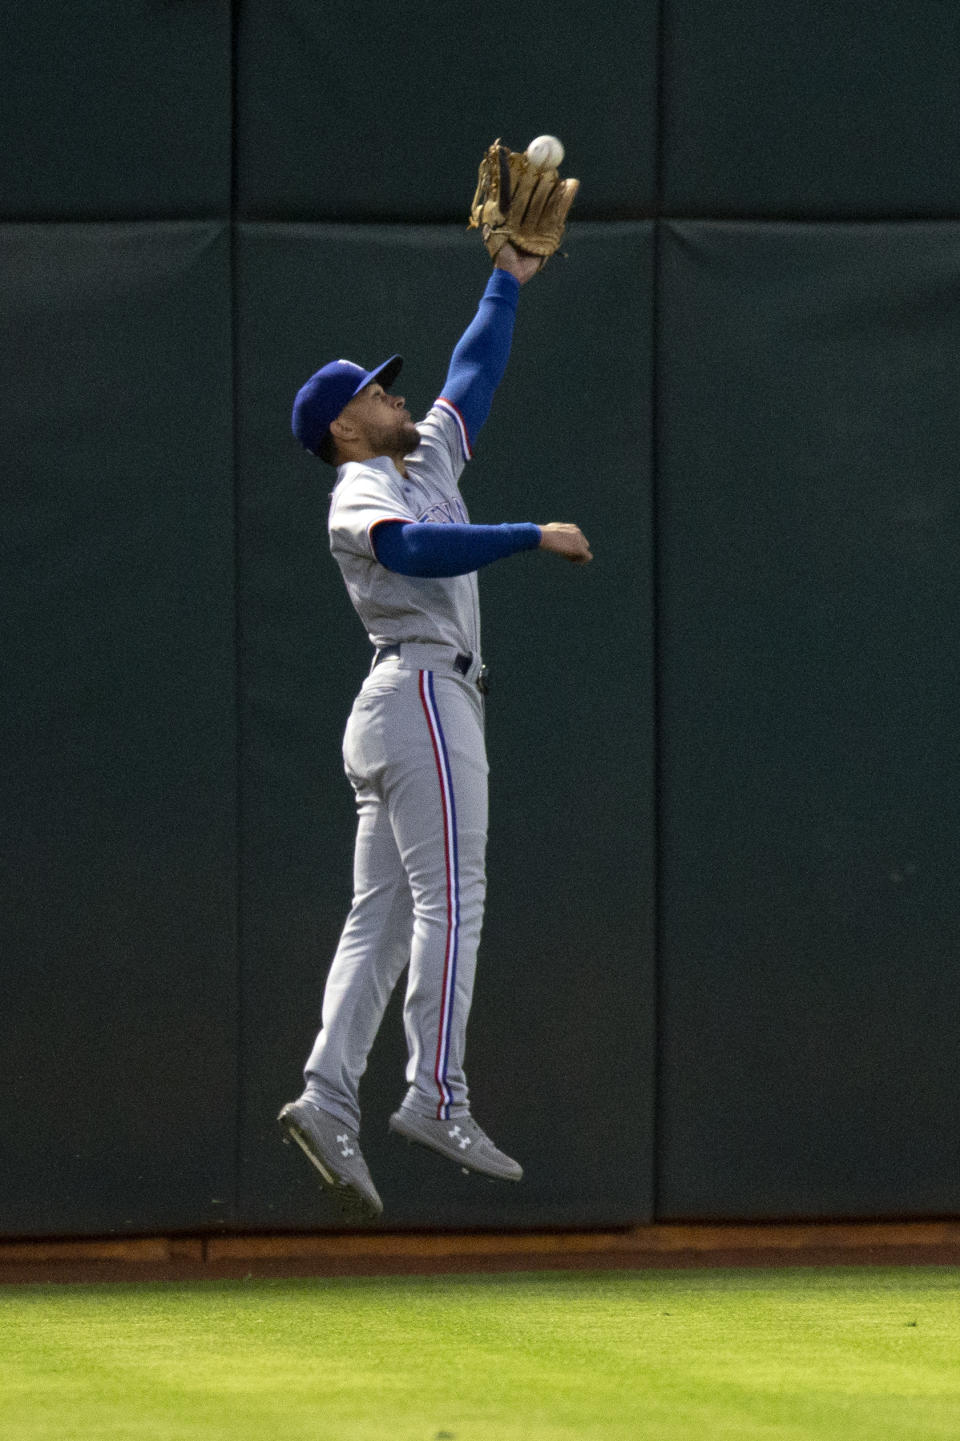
(448, 512)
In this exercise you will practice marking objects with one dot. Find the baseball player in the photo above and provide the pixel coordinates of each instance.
(414, 747)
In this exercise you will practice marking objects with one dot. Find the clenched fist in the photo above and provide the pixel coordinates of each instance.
(566, 540)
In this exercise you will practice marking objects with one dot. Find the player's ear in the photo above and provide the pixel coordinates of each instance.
(343, 428)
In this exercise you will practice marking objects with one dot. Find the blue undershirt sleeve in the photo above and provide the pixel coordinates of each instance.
(480, 356)
(411, 548)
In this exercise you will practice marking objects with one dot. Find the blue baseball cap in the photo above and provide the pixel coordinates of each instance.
(325, 394)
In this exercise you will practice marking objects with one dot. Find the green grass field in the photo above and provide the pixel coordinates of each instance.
(837, 1355)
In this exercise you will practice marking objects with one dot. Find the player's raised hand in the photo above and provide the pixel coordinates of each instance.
(521, 266)
(566, 540)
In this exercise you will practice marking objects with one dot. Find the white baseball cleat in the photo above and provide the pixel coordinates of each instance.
(460, 1139)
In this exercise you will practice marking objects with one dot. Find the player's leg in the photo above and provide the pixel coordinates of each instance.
(438, 806)
(438, 809)
(373, 950)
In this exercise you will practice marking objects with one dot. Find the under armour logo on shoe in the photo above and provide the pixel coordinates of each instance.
(345, 1147)
(457, 1135)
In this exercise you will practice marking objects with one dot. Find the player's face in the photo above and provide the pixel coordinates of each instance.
(383, 421)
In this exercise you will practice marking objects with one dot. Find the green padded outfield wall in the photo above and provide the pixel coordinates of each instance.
(115, 109)
(718, 971)
(808, 364)
(118, 725)
(118, 754)
(809, 719)
(118, 721)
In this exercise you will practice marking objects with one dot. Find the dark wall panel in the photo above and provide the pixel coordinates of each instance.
(344, 114)
(811, 108)
(117, 755)
(810, 524)
(561, 1047)
(112, 109)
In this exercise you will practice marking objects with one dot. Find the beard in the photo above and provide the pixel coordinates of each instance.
(409, 437)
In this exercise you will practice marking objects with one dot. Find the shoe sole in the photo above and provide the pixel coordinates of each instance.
(415, 1140)
(349, 1199)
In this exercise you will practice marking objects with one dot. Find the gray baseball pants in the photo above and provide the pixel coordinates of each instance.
(415, 754)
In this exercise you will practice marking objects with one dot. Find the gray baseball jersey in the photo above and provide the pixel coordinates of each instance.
(396, 608)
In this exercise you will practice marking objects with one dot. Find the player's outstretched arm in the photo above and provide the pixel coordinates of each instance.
(566, 540)
(481, 354)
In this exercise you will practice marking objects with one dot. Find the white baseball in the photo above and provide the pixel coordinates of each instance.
(545, 153)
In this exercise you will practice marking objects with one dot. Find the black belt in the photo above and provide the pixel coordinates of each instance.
(461, 662)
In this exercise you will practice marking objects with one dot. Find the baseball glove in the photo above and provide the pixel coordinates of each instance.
(517, 202)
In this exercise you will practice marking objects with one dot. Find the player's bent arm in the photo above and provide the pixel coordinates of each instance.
(435, 551)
